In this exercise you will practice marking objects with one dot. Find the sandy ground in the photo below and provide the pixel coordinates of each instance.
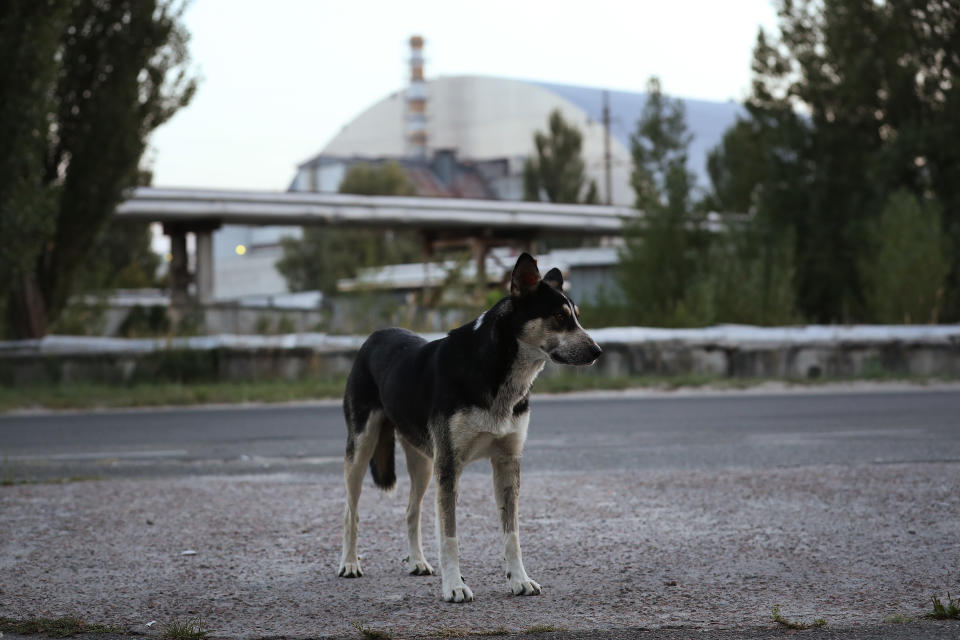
(637, 549)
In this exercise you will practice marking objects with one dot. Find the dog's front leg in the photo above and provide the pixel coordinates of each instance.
(506, 487)
(453, 587)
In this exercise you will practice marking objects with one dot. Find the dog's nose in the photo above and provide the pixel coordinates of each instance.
(595, 351)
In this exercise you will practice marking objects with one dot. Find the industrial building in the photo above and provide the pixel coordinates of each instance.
(463, 136)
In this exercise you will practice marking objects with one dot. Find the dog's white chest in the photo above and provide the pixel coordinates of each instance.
(477, 433)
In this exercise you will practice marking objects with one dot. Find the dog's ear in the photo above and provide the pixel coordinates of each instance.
(554, 278)
(525, 277)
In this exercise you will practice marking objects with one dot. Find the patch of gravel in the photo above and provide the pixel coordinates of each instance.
(636, 549)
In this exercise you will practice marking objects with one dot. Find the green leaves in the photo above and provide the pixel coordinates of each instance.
(557, 171)
(86, 83)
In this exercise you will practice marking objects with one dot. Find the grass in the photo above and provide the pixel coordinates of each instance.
(543, 628)
(90, 396)
(147, 394)
(53, 627)
(465, 633)
(948, 611)
(795, 624)
(190, 629)
(899, 618)
(9, 481)
(372, 634)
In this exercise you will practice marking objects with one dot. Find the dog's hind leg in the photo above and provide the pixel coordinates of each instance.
(420, 468)
(360, 448)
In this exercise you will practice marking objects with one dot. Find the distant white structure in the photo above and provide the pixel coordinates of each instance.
(463, 136)
(486, 118)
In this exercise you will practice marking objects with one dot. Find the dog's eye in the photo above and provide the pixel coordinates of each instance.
(560, 316)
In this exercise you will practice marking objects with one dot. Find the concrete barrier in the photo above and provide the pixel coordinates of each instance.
(726, 351)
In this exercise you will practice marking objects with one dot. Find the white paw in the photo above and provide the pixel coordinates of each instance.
(458, 591)
(350, 570)
(522, 585)
(421, 568)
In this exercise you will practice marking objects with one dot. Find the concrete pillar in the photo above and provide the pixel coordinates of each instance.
(204, 266)
(480, 247)
(178, 273)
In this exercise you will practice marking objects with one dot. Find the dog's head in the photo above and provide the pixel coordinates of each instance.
(546, 318)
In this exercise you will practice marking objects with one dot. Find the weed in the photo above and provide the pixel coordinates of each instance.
(795, 624)
(191, 629)
(12, 482)
(53, 627)
(372, 634)
(898, 618)
(465, 633)
(543, 628)
(948, 611)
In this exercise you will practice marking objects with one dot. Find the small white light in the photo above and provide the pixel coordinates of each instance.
(240, 249)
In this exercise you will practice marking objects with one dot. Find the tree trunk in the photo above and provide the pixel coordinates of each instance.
(27, 310)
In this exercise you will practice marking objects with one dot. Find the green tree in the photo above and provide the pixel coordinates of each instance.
(875, 84)
(905, 273)
(84, 84)
(324, 255)
(664, 257)
(557, 170)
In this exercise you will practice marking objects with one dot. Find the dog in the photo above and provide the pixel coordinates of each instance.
(452, 401)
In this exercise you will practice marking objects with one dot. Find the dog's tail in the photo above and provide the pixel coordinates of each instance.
(382, 463)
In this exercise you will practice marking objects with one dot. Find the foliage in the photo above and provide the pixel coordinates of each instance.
(662, 263)
(948, 611)
(851, 102)
(324, 255)
(904, 273)
(751, 276)
(83, 84)
(557, 170)
(793, 624)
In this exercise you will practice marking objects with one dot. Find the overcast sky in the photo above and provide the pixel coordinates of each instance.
(278, 79)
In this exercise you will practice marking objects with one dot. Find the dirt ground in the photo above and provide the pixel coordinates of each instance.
(851, 545)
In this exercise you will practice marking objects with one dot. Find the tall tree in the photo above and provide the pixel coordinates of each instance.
(852, 100)
(904, 273)
(97, 77)
(664, 254)
(557, 170)
(324, 255)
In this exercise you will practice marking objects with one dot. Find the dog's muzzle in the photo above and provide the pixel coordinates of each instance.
(585, 356)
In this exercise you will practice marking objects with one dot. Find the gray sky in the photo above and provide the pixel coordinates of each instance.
(280, 78)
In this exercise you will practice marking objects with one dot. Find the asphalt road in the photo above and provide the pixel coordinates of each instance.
(641, 512)
(579, 433)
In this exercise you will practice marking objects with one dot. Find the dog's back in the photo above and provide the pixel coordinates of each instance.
(385, 375)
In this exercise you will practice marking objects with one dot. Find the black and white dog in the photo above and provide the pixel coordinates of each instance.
(452, 401)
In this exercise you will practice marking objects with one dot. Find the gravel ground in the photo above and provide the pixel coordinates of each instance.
(700, 550)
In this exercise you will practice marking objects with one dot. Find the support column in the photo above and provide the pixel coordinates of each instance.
(178, 271)
(480, 246)
(204, 266)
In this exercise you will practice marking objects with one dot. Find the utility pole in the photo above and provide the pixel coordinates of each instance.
(606, 144)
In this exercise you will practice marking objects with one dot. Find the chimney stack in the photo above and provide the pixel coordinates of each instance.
(416, 102)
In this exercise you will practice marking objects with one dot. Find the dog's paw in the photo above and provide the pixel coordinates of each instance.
(457, 592)
(421, 568)
(523, 585)
(350, 570)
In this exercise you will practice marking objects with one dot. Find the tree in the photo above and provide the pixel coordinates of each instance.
(324, 255)
(852, 101)
(905, 273)
(557, 170)
(665, 253)
(85, 84)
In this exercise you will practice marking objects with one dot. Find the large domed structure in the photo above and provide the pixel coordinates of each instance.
(487, 118)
